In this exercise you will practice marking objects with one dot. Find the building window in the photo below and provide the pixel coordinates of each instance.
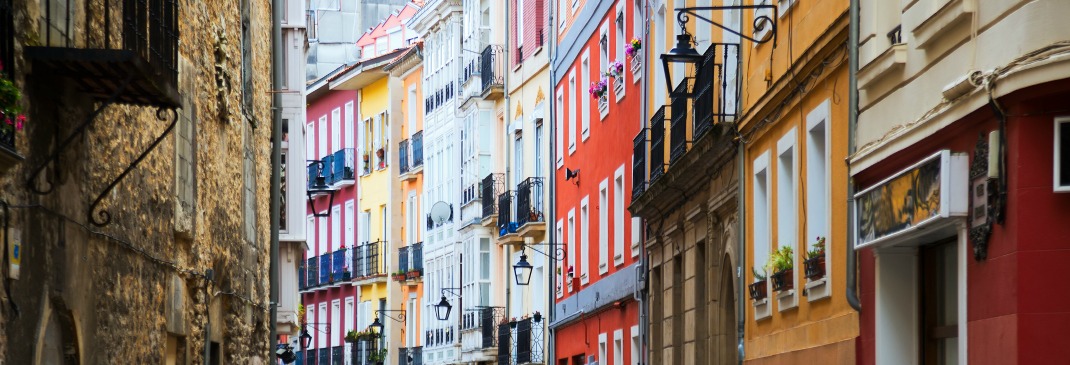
(785, 203)
(310, 140)
(585, 109)
(322, 132)
(585, 240)
(538, 154)
(634, 346)
(817, 180)
(572, 91)
(350, 220)
(618, 347)
(249, 185)
(761, 219)
(560, 133)
(603, 229)
(637, 235)
(336, 129)
(1062, 154)
(618, 217)
(247, 58)
(602, 359)
(349, 127)
(571, 243)
(518, 158)
(484, 271)
(560, 237)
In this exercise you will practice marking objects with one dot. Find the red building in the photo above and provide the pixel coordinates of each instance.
(596, 317)
(328, 294)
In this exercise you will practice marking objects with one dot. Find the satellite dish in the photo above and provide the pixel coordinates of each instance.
(440, 212)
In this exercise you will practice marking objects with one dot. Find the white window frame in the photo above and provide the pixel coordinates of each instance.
(620, 38)
(618, 347)
(603, 227)
(818, 192)
(637, 235)
(602, 358)
(585, 240)
(310, 140)
(350, 221)
(1057, 147)
(618, 216)
(585, 101)
(571, 232)
(336, 129)
(412, 110)
(761, 200)
(787, 211)
(560, 237)
(635, 346)
(321, 340)
(336, 229)
(336, 315)
(560, 133)
(310, 241)
(322, 132)
(349, 127)
(321, 242)
(519, 23)
(572, 130)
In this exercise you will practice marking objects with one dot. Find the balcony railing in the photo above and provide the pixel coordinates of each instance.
(363, 353)
(678, 123)
(489, 318)
(325, 356)
(417, 354)
(325, 269)
(506, 221)
(657, 144)
(366, 259)
(342, 169)
(337, 355)
(417, 145)
(411, 261)
(313, 272)
(493, 184)
(492, 70)
(302, 281)
(504, 344)
(134, 40)
(528, 344)
(340, 268)
(310, 356)
(403, 259)
(639, 163)
(529, 201)
(417, 252)
(711, 87)
(403, 156)
(317, 174)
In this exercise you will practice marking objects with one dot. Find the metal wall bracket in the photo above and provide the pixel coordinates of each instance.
(103, 217)
(683, 15)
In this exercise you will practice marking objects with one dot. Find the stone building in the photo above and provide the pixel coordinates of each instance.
(136, 196)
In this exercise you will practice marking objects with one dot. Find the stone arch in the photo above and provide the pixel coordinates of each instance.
(58, 336)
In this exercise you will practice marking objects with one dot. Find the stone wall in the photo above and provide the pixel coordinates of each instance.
(134, 291)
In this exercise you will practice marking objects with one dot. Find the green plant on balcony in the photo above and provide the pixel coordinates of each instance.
(11, 117)
(782, 264)
(354, 336)
(758, 290)
(377, 356)
(815, 260)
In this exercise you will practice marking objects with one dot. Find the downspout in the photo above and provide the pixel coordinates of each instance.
(741, 244)
(643, 263)
(552, 177)
(508, 158)
(852, 126)
(276, 170)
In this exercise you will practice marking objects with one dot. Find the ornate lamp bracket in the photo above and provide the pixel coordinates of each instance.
(683, 15)
(558, 253)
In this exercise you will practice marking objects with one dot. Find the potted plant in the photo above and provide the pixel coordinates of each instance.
(782, 263)
(815, 260)
(11, 117)
(615, 70)
(633, 47)
(758, 290)
(537, 317)
(598, 89)
(512, 323)
(399, 276)
(378, 356)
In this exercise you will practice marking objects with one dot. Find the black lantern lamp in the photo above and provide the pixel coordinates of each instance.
(683, 54)
(443, 308)
(377, 325)
(306, 339)
(522, 270)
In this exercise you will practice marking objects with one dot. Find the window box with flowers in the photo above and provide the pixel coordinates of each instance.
(616, 73)
(380, 154)
(816, 271)
(366, 169)
(633, 50)
(759, 292)
(11, 122)
(782, 264)
(599, 90)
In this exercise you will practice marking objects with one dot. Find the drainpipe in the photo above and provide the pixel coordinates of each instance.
(852, 126)
(643, 260)
(276, 170)
(551, 309)
(508, 158)
(741, 240)
(552, 183)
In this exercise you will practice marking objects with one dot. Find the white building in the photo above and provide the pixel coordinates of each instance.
(334, 26)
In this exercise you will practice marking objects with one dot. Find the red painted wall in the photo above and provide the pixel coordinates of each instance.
(581, 338)
(608, 147)
(1018, 301)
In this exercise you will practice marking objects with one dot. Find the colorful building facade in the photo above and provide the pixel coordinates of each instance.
(596, 315)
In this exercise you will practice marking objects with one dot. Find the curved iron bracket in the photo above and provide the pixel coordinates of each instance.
(399, 317)
(78, 131)
(760, 21)
(557, 255)
(103, 217)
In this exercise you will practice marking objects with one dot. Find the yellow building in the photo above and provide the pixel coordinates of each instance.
(793, 128)
(406, 80)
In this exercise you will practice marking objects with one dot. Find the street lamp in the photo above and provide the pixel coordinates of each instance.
(522, 270)
(442, 309)
(377, 325)
(682, 54)
(306, 339)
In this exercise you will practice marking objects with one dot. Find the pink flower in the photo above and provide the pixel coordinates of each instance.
(19, 121)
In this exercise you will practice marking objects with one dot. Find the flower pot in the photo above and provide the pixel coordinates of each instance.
(815, 268)
(537, 317)
(758, 290)
(783, 280)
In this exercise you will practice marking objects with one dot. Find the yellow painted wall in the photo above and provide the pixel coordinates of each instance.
(374, 187)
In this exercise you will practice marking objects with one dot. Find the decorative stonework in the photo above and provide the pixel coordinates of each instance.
(979, 231)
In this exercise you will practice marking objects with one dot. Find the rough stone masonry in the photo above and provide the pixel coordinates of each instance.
(135, 291)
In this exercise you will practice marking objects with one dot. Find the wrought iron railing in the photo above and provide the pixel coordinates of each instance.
(403, 156)
(302, 281)
(529, 201)
(365, 353)
(528, 344)
(639, 163)
(310, 356)
(366, 260)
(417, 146)
(147, 29)
(506, 219)
(325, 356)
(492, 185)
(492, 71)
(340, 268)
(313, 272)
(489, 318)
(504, 343)
(342, 162)
(411, 355)
(657, 144)
(678, 122)
(337, 355)
(325, 269)
(403, 259)
(318, 174)
(711, 86)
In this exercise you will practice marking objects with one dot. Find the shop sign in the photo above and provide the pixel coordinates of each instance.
(926, 193)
